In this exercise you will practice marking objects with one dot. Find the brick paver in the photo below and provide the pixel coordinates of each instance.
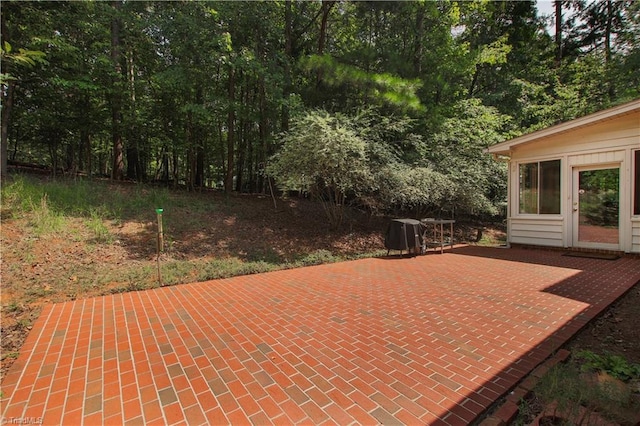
(433, 339)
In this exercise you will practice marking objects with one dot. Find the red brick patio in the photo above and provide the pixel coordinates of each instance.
(433, 339)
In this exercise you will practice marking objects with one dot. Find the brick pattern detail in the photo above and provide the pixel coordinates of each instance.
(433, 339)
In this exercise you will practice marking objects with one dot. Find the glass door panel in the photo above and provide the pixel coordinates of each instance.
(599, 206)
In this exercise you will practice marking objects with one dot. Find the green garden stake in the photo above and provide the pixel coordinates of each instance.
(160, 245)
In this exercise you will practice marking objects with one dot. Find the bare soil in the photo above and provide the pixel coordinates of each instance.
(616, 331)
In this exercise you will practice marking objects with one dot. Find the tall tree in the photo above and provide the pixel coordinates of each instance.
(195, 93)
(117, 171)
(558, 30)
(231, 126)
(12, 59)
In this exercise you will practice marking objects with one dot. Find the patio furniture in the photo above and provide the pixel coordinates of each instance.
(438, 230)
(405, 234)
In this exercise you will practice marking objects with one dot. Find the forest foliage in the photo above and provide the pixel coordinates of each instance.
(387, 105)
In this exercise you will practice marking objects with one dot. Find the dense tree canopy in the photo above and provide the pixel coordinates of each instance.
(404, 96)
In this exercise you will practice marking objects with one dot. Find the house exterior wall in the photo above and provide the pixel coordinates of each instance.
(635, 236)
(606, 144)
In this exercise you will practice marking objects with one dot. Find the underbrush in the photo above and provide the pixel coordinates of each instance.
(587, 389)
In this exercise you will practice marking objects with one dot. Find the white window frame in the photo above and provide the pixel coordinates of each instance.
(518, 190)
(635, 190)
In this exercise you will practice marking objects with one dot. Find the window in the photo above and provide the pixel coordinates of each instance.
(636, 185)
(540, 187)
(529, 188)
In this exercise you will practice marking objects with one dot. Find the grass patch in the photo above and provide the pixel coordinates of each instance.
(44, 219)
(10, 355)
(318, 257)
(175, 272)
(137, 278)
(180, 272)
(13, 307)
(184, 271)
(84, 198)
(266, 255)
(96, 223)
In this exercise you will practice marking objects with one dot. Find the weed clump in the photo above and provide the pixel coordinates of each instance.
(580, 391)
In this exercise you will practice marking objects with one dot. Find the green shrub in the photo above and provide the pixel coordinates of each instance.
(614, 365)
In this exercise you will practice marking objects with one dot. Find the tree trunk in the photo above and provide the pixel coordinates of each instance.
(200, 178)
(85, 142)
(134, 162)
(70, 165)
(189, 175)
(263, 131)
(117, 173)
(16, 136)
(288, 57)
(176, 168)
(474, 81)
(53, 151)
(558, 5)
(250, 172)
(7, 105)
(164, 168)
(607, 46)
(241, 157)
(322, 38)
(200, 140)
(231, 122)
(607, 33)
(417, 57)
(220, 155)
(242, 137)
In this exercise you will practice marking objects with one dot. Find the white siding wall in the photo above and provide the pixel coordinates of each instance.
(596, 158)
(635, 236)
(538, 231)
(608, 135)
